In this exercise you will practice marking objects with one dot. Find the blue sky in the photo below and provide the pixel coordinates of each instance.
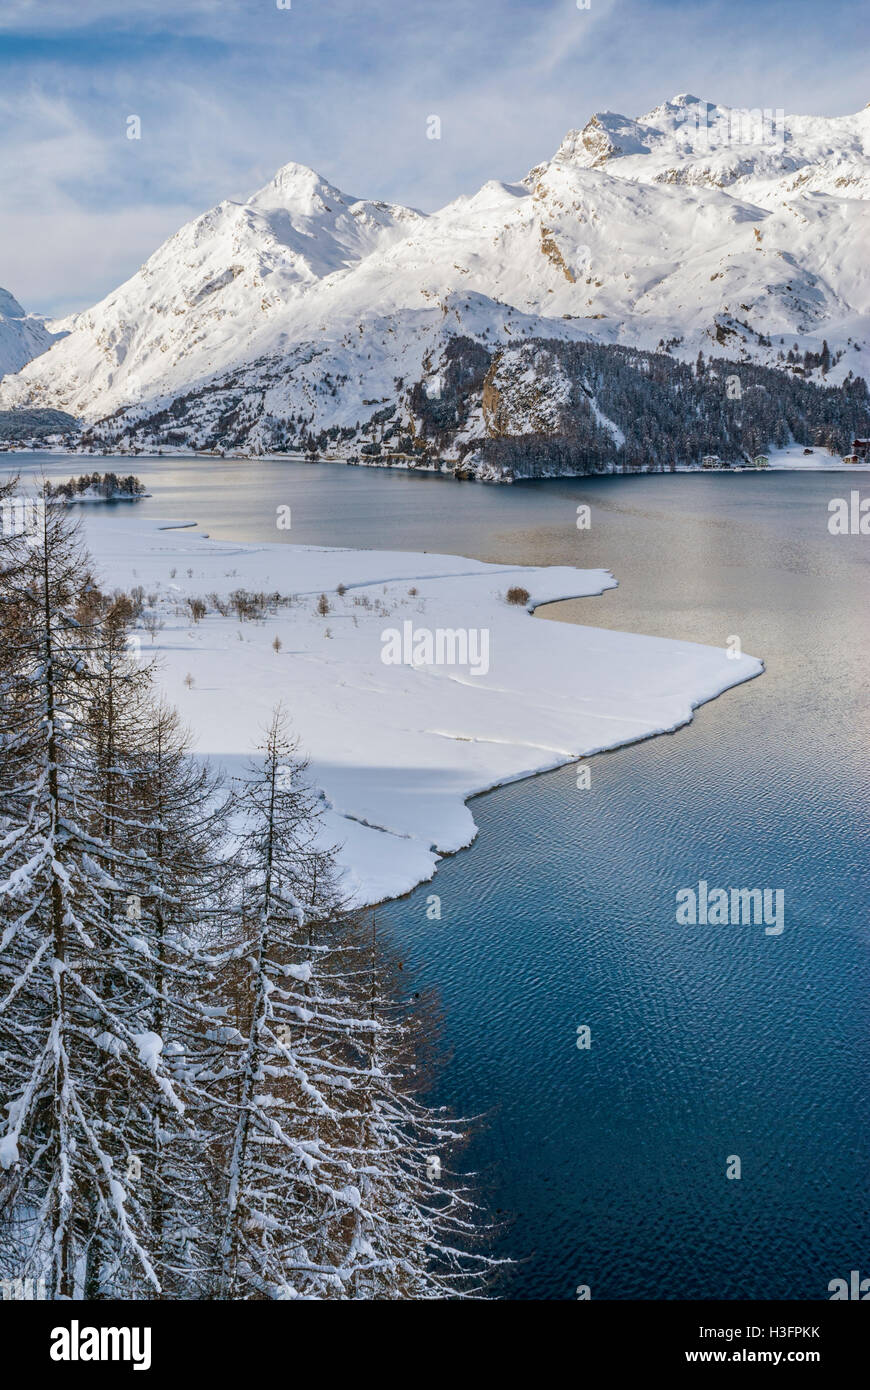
(228, 90)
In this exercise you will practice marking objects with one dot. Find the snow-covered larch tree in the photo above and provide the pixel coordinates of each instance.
(331, 1190)
(81, 1062)
(281, 1169)
(181, 837)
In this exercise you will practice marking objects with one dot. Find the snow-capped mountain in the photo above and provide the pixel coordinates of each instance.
(765, 155)
(23, 336)
(693, 227)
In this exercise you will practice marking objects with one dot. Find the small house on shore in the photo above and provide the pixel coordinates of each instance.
(860, 452)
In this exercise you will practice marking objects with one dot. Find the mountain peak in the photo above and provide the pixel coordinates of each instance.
(307, 190)
(9, 306)
(605, 135)
(23, 336)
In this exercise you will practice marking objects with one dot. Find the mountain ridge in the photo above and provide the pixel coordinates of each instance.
(23, 336)
(693, 228)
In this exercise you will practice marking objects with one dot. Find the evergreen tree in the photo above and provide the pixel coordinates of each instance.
(182, 879)
(282, 1170)
(416, 1228)
(330, 1191)
(81, 1065)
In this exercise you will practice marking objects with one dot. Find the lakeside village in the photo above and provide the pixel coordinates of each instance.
(67, 443)
(55, 431)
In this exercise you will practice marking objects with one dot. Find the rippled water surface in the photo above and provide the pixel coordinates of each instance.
(707, 1041)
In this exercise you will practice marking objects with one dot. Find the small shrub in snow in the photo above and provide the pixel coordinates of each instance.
(518, 595)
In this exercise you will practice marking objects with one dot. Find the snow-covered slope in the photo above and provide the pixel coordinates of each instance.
(692, 227)
(22, 336)
(217, 293)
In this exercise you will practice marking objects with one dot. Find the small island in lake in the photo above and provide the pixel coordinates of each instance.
(96, 487)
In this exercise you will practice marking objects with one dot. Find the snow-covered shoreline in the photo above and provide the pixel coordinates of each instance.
(397, 750)
(789, 459)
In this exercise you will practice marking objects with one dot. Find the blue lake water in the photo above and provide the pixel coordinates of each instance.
(707, 1041)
